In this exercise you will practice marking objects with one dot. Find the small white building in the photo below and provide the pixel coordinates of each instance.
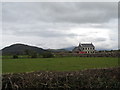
(84, 48)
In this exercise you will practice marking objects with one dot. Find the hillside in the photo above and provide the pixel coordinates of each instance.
(69, 48)
(57, 50)
(20, 49)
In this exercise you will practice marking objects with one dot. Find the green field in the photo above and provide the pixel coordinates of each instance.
(57, 64)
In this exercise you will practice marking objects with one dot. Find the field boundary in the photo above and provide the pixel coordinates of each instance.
(90, 78)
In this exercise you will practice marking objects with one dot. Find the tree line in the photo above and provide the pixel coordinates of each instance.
(33, 54)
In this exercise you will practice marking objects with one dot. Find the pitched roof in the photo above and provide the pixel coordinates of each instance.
(87, 45)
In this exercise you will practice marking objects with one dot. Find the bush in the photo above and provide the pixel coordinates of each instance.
(34, 56)
(15, 56)
(47, 55)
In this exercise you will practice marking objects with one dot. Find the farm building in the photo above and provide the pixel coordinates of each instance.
(84, 48)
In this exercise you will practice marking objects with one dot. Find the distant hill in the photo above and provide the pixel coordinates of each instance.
(69, 48)
(57, 50)
(62, 49)
(20, 49)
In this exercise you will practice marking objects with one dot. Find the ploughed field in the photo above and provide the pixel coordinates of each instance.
(57, 64)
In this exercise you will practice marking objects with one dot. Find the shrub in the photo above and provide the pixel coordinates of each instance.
(34, 56)
(15, 56)
(47, 55)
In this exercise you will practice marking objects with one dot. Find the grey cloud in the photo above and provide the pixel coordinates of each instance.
(61, 15)
(55, 20)
(46, 34)
(60, 12)
(38, 30)
(100, 39)
(94, 39)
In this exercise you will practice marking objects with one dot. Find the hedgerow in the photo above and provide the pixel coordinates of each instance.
(74, 80)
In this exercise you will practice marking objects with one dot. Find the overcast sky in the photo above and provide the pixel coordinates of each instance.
(60, 25)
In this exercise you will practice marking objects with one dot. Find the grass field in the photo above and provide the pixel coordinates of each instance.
(57, 64)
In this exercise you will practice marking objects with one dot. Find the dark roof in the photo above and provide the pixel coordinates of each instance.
(87, 45)
(76, 49)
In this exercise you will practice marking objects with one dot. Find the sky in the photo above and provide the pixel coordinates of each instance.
(59, 25)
